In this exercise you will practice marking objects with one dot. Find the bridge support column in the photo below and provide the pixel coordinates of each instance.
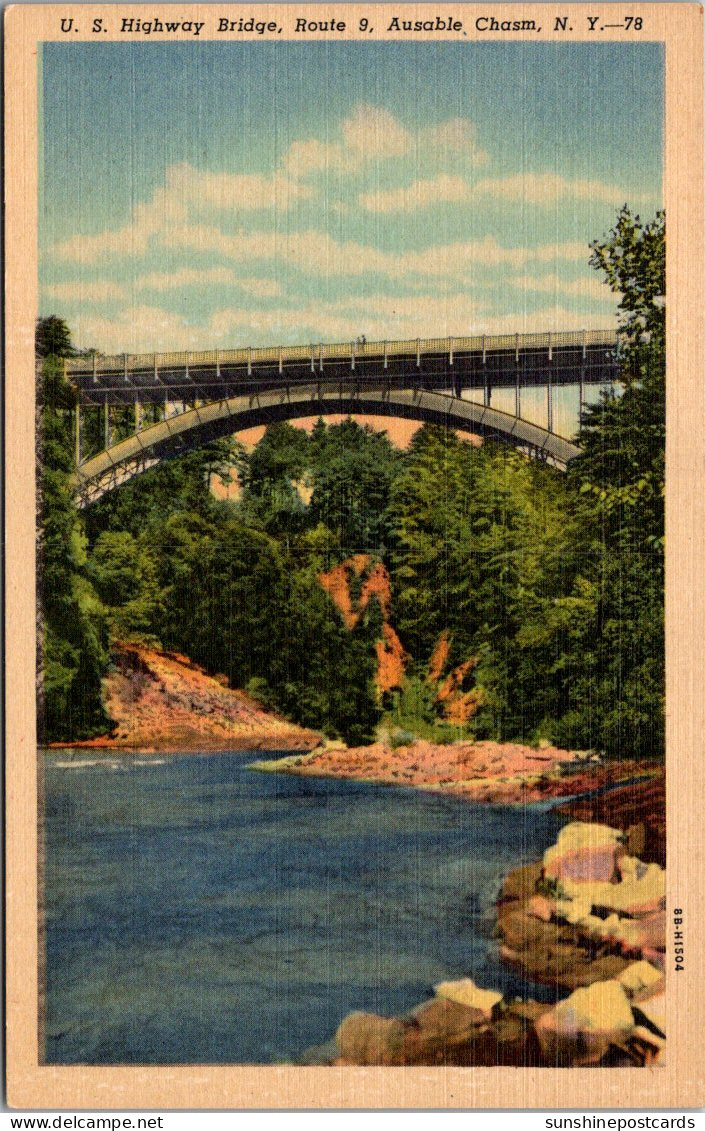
(549, 404)
(138, 416)
(517, 395)
(77, 432)
(106, 424)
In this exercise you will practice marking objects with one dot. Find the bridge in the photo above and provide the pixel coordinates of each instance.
(179, 401)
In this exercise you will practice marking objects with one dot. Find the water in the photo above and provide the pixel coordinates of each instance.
(200, 912)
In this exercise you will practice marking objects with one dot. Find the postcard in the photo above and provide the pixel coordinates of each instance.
(355, 527)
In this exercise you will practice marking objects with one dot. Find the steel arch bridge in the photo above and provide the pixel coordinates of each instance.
(206, 396)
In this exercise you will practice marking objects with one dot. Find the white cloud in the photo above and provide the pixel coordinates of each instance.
(422, 193)
(455, 136)
(458, 258)
(232, 191)
(546, 188)
(206, 277)
(381, 317)
(589, 287)
(317, 251)
(138, 330)
(81, 292)
(524, 188)
(372, 133)
(185, 191)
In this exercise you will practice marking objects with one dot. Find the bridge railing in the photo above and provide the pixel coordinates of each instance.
(131, 363)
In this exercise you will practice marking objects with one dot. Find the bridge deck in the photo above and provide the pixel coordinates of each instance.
(585, 356)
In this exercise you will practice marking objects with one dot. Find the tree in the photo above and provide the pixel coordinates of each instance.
(269, 476)
(617, 651)
(353, 469)
(621, 470)
(52, 338)
(73, 655)
(479, 536)
(124, 574)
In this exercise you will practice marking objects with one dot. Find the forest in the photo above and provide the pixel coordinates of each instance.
(547, 586)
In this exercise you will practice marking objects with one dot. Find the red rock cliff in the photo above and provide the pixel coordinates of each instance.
(370, 579)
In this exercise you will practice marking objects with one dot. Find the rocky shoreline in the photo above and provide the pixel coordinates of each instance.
(589, 919)
(489, 772)
(162, 702)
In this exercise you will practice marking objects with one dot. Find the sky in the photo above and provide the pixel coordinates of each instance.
(218, 195)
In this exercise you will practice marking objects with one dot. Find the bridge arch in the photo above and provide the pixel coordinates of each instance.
(178, 434)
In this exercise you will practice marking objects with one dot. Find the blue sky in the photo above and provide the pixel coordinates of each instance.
(209, 195)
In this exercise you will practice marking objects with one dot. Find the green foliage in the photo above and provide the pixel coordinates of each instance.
(339, 478)
(52, 338)
(124, 574)
(353, 470)
(323, 674)
(554, 583)
(269, 476)
(73, 631)
(412, 711)
(618, 652)
(551, 583)
(175, 486)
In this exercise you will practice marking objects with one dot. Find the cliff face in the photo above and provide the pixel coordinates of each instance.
(162, 701)
(352, 585)
(457, 701)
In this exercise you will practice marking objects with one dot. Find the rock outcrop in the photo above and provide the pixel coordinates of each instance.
(161, 701)
(457, 702)
(352, 585)
(637, 809)
(588, 910)
(504, 773)
(614, 1014)
(597, 1025)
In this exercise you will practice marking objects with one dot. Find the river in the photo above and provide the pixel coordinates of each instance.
(200, 912)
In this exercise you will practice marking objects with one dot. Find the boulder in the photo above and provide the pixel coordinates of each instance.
(574, 910)
(653, 930)
(640, 891)
(520, 883)
(442, 1015)
(442, 1032)
(541, 908)
(652, 1013)
(643, 887)
(602, 1007)
(366, 1038)
(580, 1029)
(657, 958)
(641, 980)
(465, 992)
(584, 853)
(526, 1012)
